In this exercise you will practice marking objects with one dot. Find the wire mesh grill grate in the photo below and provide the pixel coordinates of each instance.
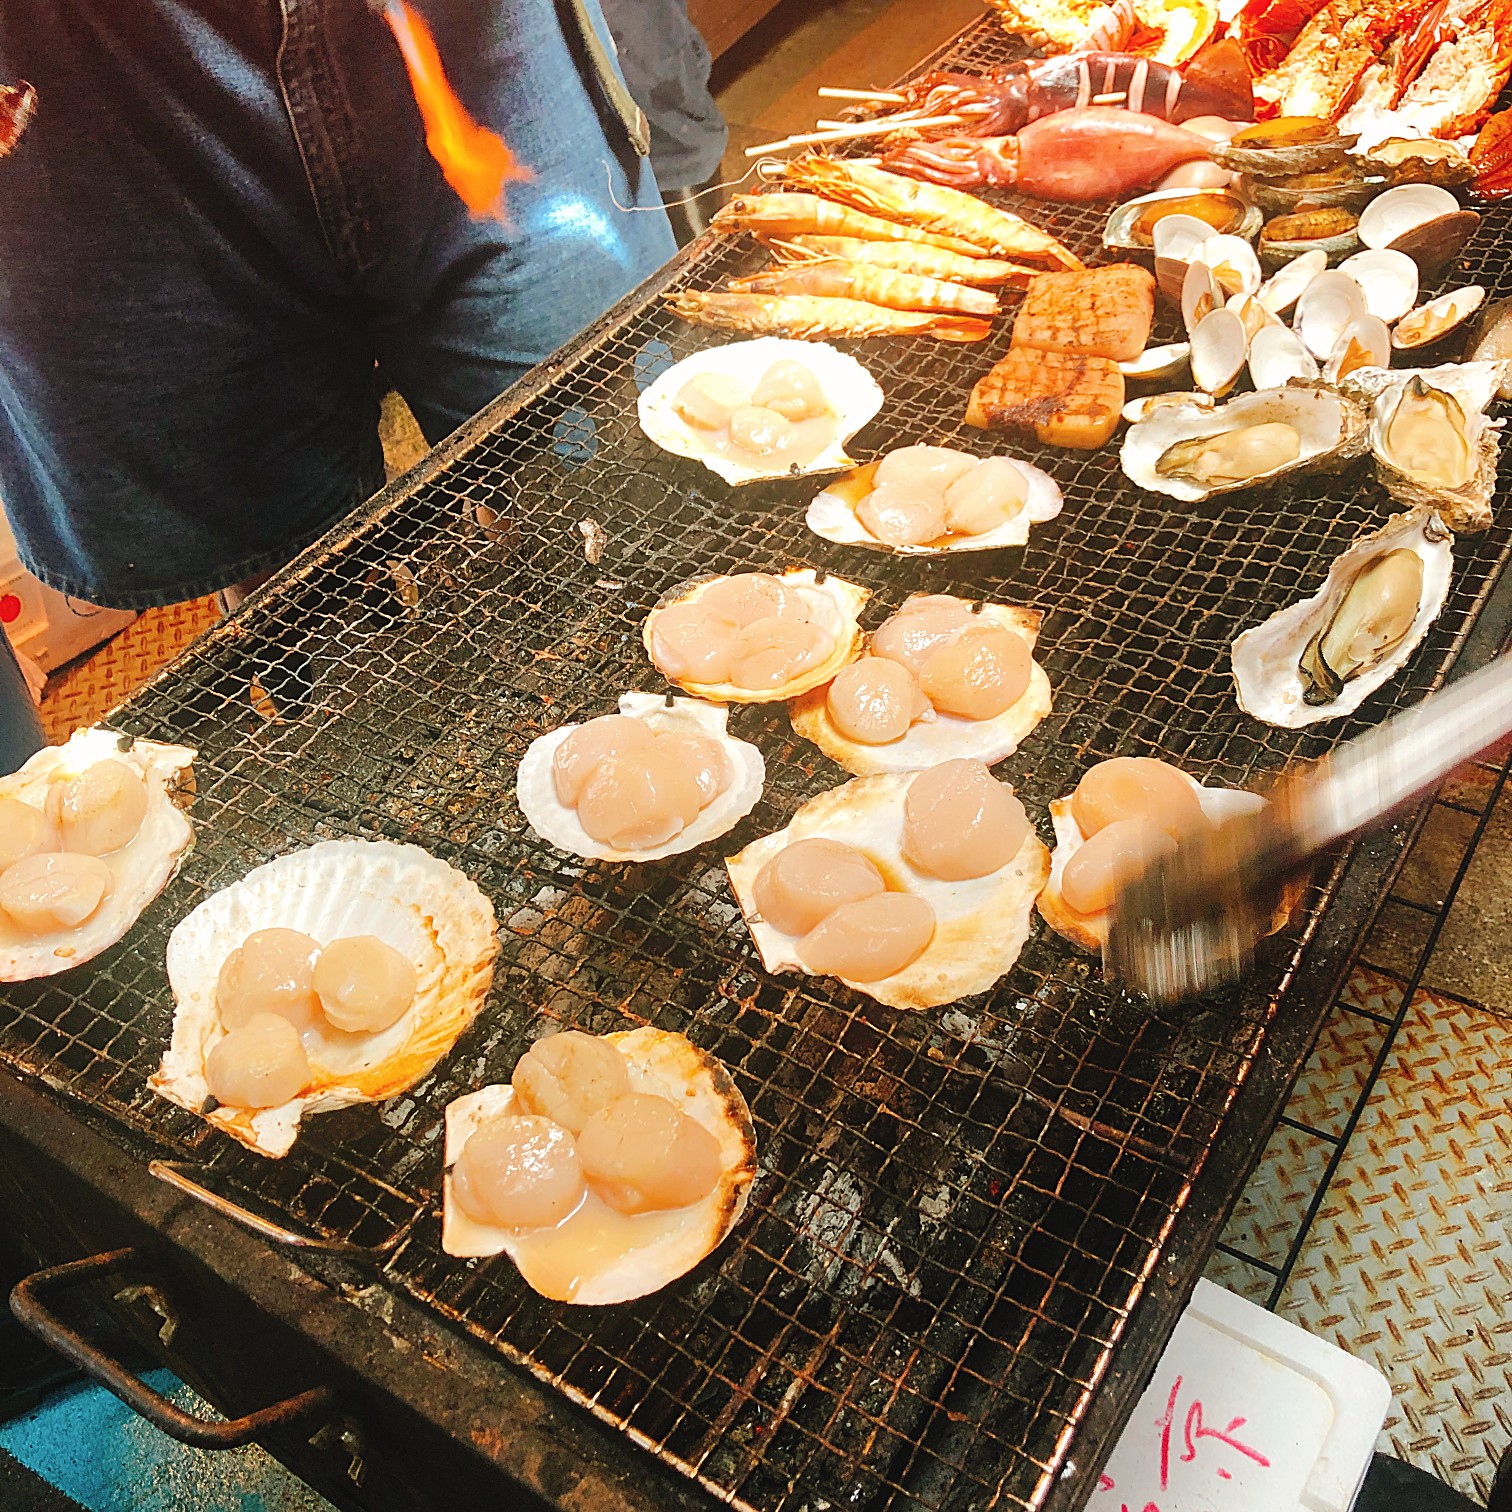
(955, 1211)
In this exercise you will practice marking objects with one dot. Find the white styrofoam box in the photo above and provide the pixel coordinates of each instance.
(44, 624)
(1246, 1413)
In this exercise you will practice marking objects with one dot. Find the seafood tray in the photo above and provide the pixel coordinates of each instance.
(972, 1229)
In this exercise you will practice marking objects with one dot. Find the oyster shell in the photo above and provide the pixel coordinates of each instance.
(1434, 446)
(980, 924)
(853, 395)
(425, 909)
(1321, 658)
(557, 824)
(1131, 226)
(832, 603)
(139, 871)
(659, 1247)
(1192, 455)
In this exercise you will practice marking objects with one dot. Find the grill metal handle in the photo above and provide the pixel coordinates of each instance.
(177, 1176)
(32, 1313)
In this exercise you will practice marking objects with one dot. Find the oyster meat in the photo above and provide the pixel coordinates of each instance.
(1192, 454)
(1321, 658)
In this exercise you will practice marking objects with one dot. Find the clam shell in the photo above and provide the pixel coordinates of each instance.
(1331, 427)
(1200, 294)
(662, 1064)
(1253, 315)
(138, 871)
(1389, 280)
(945, 737)
(1325, 308)
(1435, 319)
(1364, 342)
(412, 901)
(1089, 932)
(833, 603)
(1157, 362)
(558, 825)
(1219, 344)
(1141, 409)
(980, 924)
(1277, 356)
(1284, 287)
(1233, 263)
(1422, 220)
(1265, 657)
(1238, 216)
(854, 395)
(832, 515)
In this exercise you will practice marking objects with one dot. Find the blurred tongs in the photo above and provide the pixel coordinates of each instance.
(1190, 922)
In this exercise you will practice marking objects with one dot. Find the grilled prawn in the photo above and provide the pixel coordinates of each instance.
(943, 212)
(903, 257)
(807, 214)
(834, 278)
(809, 316)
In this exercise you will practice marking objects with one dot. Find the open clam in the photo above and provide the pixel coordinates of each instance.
(1277, 357)
(1192, 455)
(1364, 342)
(1422, 220)
(768, 408)
(1436, 319)
(1284, 287)
(1141, 409)
(1389, 281)
(1325, 309)
(1321, 658)
(1219, 345)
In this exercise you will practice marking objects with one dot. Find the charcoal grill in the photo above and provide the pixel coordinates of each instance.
(973, 1229)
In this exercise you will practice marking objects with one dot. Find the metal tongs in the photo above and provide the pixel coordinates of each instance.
(1190, 921)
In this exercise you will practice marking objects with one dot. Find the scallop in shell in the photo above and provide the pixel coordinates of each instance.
(598, 1256)
(980, 924)
(138, 870)
(1089, 931)
(1322, 657)
(833, 514)
(1192, 455)
(937, 736)
(810, 444)
(561, 825)
(830, 605)
(426, 910)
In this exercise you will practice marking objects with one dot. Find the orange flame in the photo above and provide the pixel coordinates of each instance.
(474, 160)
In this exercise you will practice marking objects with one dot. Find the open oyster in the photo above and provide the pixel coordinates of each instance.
(1431, 438)
(76, 873)
(1321, 658)
(1192, 454)
(767, 408)
(418, 906)
(687, 781)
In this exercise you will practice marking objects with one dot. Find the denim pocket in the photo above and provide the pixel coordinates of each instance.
(583, 25)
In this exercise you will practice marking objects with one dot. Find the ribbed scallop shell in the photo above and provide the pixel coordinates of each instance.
(1089, 932)
(853, 394)
(662, 1064)
(138, 871)
(551, 819)
(945, 737)
(833, 603)
(424, 908)
(980, 924)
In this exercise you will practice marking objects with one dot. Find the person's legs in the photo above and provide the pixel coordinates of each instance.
(186, 392)
(467, 305)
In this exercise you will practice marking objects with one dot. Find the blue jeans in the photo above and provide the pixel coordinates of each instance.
(222, 217)
(20, 729)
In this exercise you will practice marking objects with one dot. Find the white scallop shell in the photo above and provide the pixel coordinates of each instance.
(980, 924)
(1265, 657)
(944, 737)
(138, 871)
(1389, 281)
(425, 909)
(833, 516)
(669, 1244)
(1089, 932)
(558, 825)
(834, 603)
(854, 396)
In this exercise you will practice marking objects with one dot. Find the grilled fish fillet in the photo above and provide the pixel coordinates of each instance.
(1063, 398)
(1100, 312)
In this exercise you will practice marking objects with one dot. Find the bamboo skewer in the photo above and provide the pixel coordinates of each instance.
(885, 96)
(848, 133)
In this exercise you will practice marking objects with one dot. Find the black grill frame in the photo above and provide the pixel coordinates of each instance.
(957, 1214)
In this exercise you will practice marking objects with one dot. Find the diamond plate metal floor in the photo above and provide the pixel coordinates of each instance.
(1379, 1216)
